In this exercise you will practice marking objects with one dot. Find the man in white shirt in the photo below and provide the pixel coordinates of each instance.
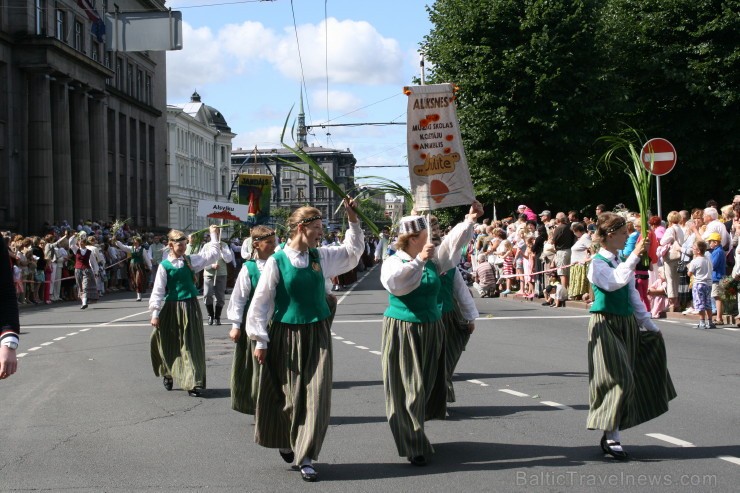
(714, 225)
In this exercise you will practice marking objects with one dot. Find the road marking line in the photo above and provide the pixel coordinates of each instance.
(670, 439)
(72, 334)
(533, 317)
(47, 343)
(514, 392)
(333, 333)
(357, 283)
(84, 330)
(34, 348)
(20, 355)
(668, 321)
(361, 347)
(59, 338)
(348, 342)
(476, 381)
(123, 318)
(376, 352)
(339, 338)
(555, 404)
(728, 458)
(730, 328)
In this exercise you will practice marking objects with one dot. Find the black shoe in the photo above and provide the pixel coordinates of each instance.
(287, 457)
(608, 448)
(218, 321)
(210, 320)
(83, 306)
(195, 392)
(308, 473)
(167, 382)
(418, 460)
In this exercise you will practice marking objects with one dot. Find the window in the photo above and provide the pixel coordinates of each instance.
(301, 193)
(139, 84)
(119, 73)
(40, 20)
(60, 28)
(95, 49)
(320, 193)
(286, 175)
(342, 172)
(286, 193)
(130, 79)
(78, 43)
(106, 59)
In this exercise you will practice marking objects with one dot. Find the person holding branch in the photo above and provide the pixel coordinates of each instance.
(139, 265)
(413, 353)
(177, 342)
(628, 379)
(294, 398)
(245, 370)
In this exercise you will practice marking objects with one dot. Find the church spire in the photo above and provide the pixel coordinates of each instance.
(302, 130)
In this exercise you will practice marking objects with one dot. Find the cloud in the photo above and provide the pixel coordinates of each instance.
(199, 63)
(340, 102)
(263, 138)
(357, 53)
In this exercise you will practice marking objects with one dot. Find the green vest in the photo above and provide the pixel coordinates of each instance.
(420, 305)
(300, 296)
(254, 278)
(137, 255)
(614, 302)
(180, 285)
(446, 288)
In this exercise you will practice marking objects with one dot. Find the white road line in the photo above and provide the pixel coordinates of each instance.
(530, 317)
(349, 342)
(84, 330)
(20, 355)
(668, 321)
(339, 338)
(72, 333)
(514, 392)
(333, 333)
(555, 404)
(34, 348)
(728, 458)
(355, 321)
(361, 347)
(351, 288)
(476, 381)
(123, 318)
(670, 439)
(730, 328)
(47, 343)
(376, 352)
(59, 338)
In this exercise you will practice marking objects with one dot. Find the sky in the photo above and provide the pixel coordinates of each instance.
(355, 57)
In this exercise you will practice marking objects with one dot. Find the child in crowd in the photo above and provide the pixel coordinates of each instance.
(719, 260)
(529, 263)
(700, 269)
(555, 293)
(657, 295)
(18, 282)
(506, 253)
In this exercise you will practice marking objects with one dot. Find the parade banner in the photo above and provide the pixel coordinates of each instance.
(437, 165)
(222, 210)
(254, 191)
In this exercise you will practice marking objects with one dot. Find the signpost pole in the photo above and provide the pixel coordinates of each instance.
(657, 184)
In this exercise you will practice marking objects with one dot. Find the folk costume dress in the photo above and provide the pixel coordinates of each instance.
(629, 381)
(245, 369)
(294, 398)
(178, 344)
(138, 266)
(85, 265)
(458, 309)
(413, 353)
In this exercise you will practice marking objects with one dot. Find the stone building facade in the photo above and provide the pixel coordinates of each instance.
(198, 159)
(82, 130)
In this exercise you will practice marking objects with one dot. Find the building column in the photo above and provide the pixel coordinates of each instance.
(61, 152)
(40, 160)
(98, 159)
(80, 131)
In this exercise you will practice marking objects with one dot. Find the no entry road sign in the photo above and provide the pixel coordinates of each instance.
(658, 156)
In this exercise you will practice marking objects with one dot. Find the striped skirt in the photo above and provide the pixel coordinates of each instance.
(86, 285)
(294, 400)
(137, 274)
(456, 338)
(178, 346)
(245, 375)
(628, 378)
(413, 360)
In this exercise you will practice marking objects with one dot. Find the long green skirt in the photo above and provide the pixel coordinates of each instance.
(178, 346)
(413, 359)
(245, 375)
(457, 336)
(628, 376)
(294, 399)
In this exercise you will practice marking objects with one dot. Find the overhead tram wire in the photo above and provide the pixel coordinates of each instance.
(326, 67)
(300, 59)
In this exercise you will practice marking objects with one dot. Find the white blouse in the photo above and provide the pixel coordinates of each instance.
(240, 294)
(198, 262)
(401, 278)
(610, 279)
(144, 252)
(334, 260)
(464, 299)
(93, 258)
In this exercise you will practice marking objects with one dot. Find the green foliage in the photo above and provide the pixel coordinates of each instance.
(280, 215)
(541, 80)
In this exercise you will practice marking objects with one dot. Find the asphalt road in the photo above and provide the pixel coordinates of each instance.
(85, 412)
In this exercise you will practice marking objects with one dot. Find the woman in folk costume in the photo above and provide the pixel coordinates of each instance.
(413, 354)
(629, 382)
(139, 264)
(245, 370)
(458, 314)
(85, 267)
(294, 399)
(177, 342)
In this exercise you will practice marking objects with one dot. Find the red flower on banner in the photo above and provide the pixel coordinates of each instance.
(438, 190)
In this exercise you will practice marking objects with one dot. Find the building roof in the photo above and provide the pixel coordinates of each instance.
(212, 116)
